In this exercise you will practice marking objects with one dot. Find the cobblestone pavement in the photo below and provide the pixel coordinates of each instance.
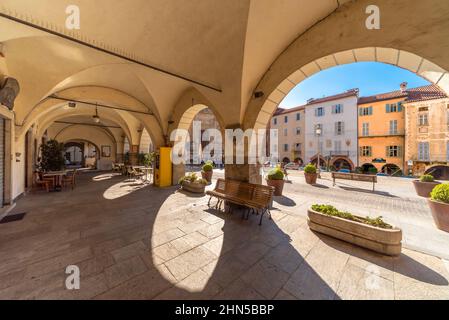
(134, 241)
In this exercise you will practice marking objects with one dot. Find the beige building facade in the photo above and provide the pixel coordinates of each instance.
(427, 134)
(290, 126)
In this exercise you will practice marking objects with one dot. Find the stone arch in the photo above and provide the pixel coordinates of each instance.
(440, 172)
(345, 161)
(399, 43)
(189, 104)
(391, 169)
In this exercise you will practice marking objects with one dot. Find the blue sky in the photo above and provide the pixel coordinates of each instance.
(370, 77)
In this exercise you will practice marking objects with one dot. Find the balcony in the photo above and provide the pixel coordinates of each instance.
(387, 133)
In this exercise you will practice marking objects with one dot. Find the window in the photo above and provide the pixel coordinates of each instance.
(319, 112)
(393, 126)
(365, 129)
(339, 128)
(318, 130)
(393, 107)
(298, 131)
(298, 116)
(285, 132)
(338, 108)
(275, 121)
(366, 111)
(423, 119)
(366, 151)
(393, 152)
(285, 119)
(286, 147)
(297, 146)
(423, 151)
(337, 146)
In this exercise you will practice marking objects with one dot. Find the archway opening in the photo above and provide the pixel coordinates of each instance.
(368, 168)
(391, 169)
(440, 172)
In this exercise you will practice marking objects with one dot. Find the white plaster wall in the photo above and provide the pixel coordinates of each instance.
(349, 117)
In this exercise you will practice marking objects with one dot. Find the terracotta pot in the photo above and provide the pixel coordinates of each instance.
(207, 175)
(193, 187)
(440, 214)
(424, 189)
(278, 186)
(311, 177)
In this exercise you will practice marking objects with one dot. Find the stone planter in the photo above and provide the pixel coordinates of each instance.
(278, 186)
(424, 189)
(385, 241)
(193, 187)
(207, 175)
(440, 214)
(311, 177)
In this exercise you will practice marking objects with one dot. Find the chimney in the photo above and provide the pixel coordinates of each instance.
(404, 86)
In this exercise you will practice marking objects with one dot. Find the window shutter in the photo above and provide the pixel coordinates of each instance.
(387, 108)
(370, 110)
(342, 127)
(399, 106)
(361, 113)
(370, 151)
(336, 128)
(386, 152)
(341, 108)
(399, 151)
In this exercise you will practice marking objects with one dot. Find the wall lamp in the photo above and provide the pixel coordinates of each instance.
(258, 94)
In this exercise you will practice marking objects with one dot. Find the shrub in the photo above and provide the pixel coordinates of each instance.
(358, 170)
(440, 193)
(52, 158)
(372, 170)
(332, 169)
(310, 168)
(332, 211)
(191, 177)
(275, 174)
(208, 167)
(427, 178)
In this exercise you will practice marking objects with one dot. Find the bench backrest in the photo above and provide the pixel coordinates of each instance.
(354, 176)
(243, 190)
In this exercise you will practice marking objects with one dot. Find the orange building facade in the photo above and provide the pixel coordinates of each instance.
(381, 131)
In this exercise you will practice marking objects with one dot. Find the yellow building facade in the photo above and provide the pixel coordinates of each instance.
(381, 131)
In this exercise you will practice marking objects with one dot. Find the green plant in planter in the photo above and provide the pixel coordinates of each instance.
(146, 159)
(52, 158)
(427, 178)
(332, 211)
(310, 168)
(440, 193)
(358, 170)
(208, 167)
(275, 174)
(192, 178)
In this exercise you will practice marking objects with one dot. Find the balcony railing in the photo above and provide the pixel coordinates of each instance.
(388, 133)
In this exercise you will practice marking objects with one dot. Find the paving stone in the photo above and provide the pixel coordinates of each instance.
(189, 262)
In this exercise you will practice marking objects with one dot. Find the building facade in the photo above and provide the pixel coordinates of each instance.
(331, 130)
(290, 124)
(427, 127)
(381, 129)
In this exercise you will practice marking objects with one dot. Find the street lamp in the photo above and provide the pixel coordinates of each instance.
(318, 132)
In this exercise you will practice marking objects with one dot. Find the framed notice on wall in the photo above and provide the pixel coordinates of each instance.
(106, 151)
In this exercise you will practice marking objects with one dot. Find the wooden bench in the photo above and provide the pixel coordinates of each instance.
(354, 177)
(254, 197)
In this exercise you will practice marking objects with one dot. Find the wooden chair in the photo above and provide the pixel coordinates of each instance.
(45, 183)
(69, 179)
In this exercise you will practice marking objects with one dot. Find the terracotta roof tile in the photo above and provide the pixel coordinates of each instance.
(428, 92)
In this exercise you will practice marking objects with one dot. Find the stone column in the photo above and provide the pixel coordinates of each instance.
(247, 172)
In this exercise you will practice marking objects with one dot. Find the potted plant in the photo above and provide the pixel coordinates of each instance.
(275, 178)
(370, 233)
(439, 205)
(310, 174)
(207, 171)
(192, 183)
(52, 158)
(372, 170)
(425, 185)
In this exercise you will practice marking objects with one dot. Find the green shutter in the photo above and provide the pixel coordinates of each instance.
(387, 108)
(399, 151)
(386, 152)
(370, 110)
(399, 106)
(361, 112)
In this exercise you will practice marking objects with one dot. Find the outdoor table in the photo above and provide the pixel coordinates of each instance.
(147, 170)
(57, 176)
